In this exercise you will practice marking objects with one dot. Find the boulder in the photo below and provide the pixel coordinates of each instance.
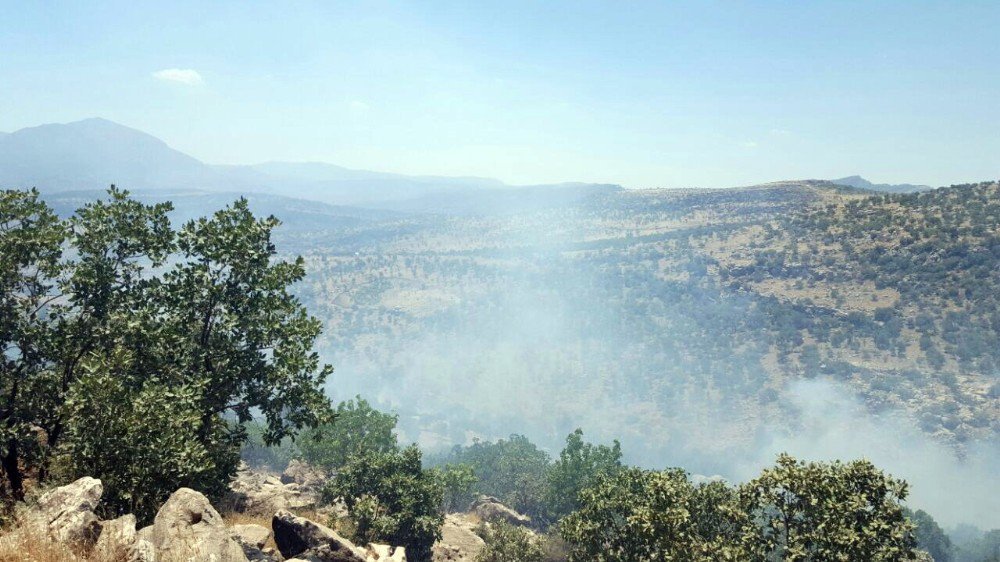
(142, 551)
(255, 535)
(262, 493)
(253, 538)
(67, 513)
(300, 539)
(459, 542)
(187, 527)
(489, 508)
(117, 538)
(306, 476)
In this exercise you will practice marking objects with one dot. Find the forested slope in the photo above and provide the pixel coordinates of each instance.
(673, 318)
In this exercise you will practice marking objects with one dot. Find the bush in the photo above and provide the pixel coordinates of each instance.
(456, 481)
(391, 499)
(357, 429)
(509, 543)
(513, 470)
(825, 511)
(578, 465)
(142, 443)
(635, 514)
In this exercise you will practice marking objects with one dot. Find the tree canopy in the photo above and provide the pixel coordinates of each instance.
(113, 320)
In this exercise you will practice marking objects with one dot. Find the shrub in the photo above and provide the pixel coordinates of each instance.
(509, 543)
(358, 429)
(391, 499)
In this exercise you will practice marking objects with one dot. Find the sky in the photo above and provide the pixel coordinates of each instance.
(659, 94)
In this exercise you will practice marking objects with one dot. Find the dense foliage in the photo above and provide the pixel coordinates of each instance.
(196, 326)
(930, 536)
(825, 512)
(391, 499)
(636, 515)
(357, 428)
(509, 543)
(578, 465)
(457, 481)
(513, 470)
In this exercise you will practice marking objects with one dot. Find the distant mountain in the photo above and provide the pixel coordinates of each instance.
(94, 153)
(861, 183)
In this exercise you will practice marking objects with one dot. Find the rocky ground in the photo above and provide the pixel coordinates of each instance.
(268, 518)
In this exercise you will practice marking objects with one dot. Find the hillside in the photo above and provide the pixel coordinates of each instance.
(676, 319)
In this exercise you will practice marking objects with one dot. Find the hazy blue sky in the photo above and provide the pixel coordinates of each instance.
(668, 94)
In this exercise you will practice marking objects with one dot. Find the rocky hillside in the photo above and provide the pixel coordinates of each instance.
(266, 518)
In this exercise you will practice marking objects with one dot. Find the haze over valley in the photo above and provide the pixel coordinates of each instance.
(703, 328)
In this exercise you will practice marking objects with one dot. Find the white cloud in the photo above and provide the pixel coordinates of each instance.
(749, 144)
(180, 75)
(358, 106)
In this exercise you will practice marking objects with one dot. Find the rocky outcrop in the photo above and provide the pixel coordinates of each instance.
(116, 539)
(67, 513)
(459, 542)
(489, 508)
(187, 527)
(300, 539)
(308, 477)
(262, 493)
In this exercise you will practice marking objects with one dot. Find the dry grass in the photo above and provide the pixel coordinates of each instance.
(25, 544)
(236, 518)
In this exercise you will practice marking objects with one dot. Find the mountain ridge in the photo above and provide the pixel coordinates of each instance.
(859, 182)
(95, 152)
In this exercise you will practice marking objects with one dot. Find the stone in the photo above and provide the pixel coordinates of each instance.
(116, 539)
(187, 527)
(67, 512)
(253, 538)
(489, 508)
(256, 535)
(142, 551)
(306, 476)
(299, 538)
(261, 493)
(385, 553)
(459, 542)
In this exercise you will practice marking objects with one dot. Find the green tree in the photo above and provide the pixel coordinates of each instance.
(577, 466)
(141, 441)
(513, 470)
(930, 536)
(202, 317)
(31, 238)
(236, 330)
(509, 543)
(635, 515)
(457, 481)
(358, 428)
(391, 499)
(820, 512)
